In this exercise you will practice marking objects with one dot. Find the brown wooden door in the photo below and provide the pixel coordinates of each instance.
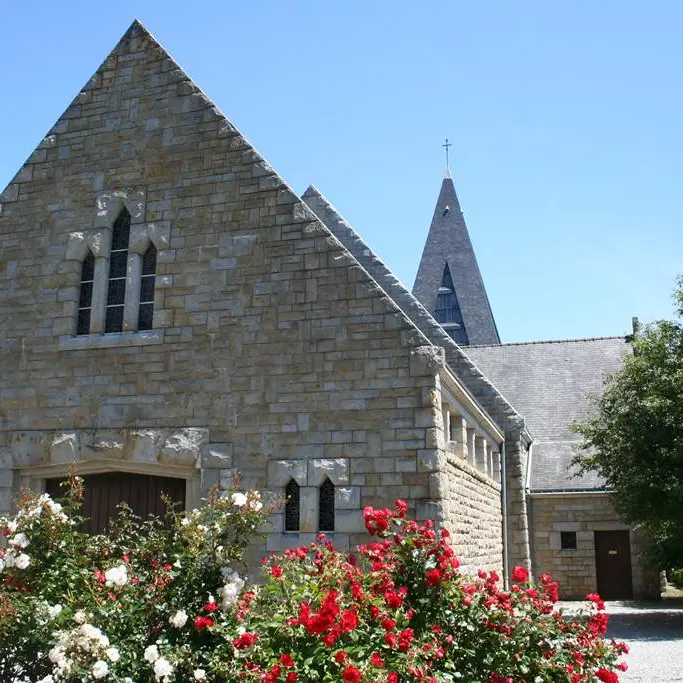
(613, 565)
(103, 492)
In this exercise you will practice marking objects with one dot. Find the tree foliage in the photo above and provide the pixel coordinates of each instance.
(635, 438)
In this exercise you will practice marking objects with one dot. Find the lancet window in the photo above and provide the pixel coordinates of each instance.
(326, 506)
(292, 506)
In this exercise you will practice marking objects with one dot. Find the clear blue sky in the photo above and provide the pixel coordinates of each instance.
(566, 121)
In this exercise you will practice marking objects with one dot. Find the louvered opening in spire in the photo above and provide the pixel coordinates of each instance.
(447, 310)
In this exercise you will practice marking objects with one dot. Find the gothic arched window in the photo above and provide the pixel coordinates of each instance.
(149, 269)
(447, 310)
(326, 506)
(85, 296)
(292, 506)
(118, 267)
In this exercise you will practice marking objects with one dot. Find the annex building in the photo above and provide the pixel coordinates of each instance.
(175, 315)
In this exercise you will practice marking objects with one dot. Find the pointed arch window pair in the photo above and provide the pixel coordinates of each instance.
(325, 506)
(117, 279)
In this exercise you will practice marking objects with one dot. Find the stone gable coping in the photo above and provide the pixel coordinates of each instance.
(479, 388)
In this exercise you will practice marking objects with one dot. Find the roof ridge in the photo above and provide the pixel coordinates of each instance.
(551, 341)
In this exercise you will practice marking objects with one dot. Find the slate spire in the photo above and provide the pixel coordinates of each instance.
(448, 282)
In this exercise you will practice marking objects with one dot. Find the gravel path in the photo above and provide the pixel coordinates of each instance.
(654, 633)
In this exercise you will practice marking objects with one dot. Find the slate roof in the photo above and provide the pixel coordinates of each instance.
(448, 244)
(548, 383)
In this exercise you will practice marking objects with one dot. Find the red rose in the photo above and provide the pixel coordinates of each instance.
(245, 640)
(292, 676)
(607, 676)
(376, 660)
(388, 624)
(349, 621)
(520, 574)
(286, 660)
(340, 657)
(210, 607)
(276, 571)
(433, 576)
(351, 675)
(392, 677)
(401, 508)
(200, 623)
(597, 600)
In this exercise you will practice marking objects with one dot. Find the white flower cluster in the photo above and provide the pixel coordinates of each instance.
(84, 648)
(16, 542)
(14, 555)
(163, 669)
(232, 587)
(179, 619)
(252, 499)
(44, 502)
(116, 576)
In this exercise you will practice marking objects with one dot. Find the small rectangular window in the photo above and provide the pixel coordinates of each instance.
(568, 540)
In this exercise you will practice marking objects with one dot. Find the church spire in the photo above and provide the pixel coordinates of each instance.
(448, 283)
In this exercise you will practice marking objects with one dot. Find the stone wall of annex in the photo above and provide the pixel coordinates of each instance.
(575, 570)
(272, 351)
(472, 513)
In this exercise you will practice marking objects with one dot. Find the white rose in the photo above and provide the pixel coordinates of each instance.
(199, 674)
(151, 654)
(116, 576)
(100, 669)
(54, 611)
(56, 654)
(22, 561)
(11, 526)
(112, 654)
(20, 540)
(162, 669)
(179, 619)
(2, 565)
(79, 617)
(47, 679)
(239, 499)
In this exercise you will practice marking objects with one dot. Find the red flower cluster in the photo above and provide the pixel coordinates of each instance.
(400, 609)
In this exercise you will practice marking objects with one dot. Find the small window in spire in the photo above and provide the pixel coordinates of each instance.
(447, 310)
(326, 506)
(118, 267)
(292, 494)
(85, 297)
(147, 281)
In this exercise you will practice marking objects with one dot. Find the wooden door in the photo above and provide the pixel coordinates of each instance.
(613, 565)
(103, 492)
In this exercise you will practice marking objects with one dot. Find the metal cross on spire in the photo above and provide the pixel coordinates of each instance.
(448, 145)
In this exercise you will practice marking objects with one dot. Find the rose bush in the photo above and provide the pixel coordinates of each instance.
(120, 607)
(163, 603)
(400, 610)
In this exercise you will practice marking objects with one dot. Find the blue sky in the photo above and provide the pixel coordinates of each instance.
(566, 122)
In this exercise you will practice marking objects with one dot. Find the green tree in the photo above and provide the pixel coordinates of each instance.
(635, 438)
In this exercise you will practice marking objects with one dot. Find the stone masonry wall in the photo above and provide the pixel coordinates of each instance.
(575, 569)
(269, 341)
(472, 513)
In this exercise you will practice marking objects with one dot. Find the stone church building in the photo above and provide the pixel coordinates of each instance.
(175, 315)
